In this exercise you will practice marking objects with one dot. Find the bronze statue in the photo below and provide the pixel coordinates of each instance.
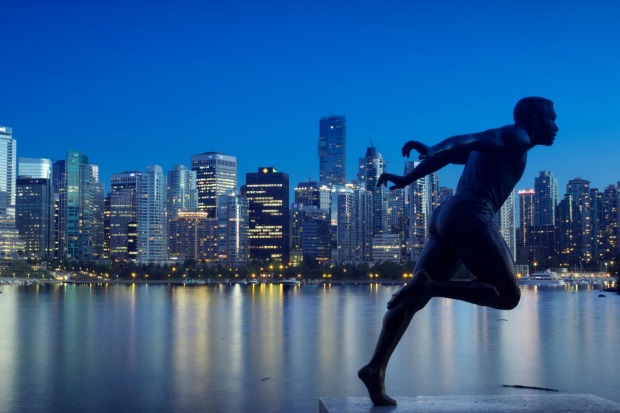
(461, 229)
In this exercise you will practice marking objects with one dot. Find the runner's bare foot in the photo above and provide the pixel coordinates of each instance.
(374, 384)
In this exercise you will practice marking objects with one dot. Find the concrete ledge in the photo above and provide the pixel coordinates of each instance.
(564, 403)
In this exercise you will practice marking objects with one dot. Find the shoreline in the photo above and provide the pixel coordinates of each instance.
(180, 281)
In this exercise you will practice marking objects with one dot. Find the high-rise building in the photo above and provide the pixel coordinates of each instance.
(310, 233)
(419, 206)
(35, 206)
(35, 216)
(332, 150)
(351, 224)
(216, 174)
(536, 243)
(8, 169)
(193, 236)
(397, 220)
(568, 231)
(598, 225)
(233, 226)
(526, 215)
(371, 167)
(545, 199)
(59, 178)
(267, 192)
(99, 220)
(611, 217)
(123, 200)
(182, 192)
(78, 230)
(387, 247)
(152, 223)
(312, 194)
(34, 168)
(505, 221)
(580, 189)
(10, 242)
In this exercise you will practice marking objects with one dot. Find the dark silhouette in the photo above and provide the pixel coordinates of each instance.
(461, 230)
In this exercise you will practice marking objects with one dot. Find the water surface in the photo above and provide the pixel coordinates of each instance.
(268, 348)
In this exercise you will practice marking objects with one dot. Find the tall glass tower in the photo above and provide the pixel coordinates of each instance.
(233, 226)
(267, 192)
(333, 150)
(78, 222)
(580, 188)
(8, 169)
(505, 221)
(152, 226)
(370, 168)
(545, 199)
(182, 192)
(216, 174)
(124, 214)
(35, 206)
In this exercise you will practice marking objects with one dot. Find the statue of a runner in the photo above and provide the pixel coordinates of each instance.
(461, 229)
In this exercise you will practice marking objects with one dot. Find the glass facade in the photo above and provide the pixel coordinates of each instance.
(35, 216)
(152, 241)
(216, 174)
(267, 192)
(332, 149)
(78, 209)
(123, 215)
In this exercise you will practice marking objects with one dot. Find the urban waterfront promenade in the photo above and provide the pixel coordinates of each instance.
(561, 403)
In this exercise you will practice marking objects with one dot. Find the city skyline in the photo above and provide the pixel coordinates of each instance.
(252, 81)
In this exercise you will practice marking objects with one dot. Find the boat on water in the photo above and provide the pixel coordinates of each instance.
(290, 281)
(542, 278)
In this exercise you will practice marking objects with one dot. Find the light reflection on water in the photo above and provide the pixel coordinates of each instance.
(271, 348)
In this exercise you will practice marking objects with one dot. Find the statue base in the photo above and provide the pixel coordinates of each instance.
(478, 404)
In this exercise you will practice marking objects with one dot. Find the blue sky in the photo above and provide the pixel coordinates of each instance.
(136, 83)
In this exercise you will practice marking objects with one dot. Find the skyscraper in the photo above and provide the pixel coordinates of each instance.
(10, 242)
(99, 219)
(371, 167)
(267, 192)
(216, 174)
(123, 199)
(78, 213)
(310, 223)
(34, 168)
(505, 221)
(193, 236)
(182, 192)
(35, 206)
(545, 199)
(526, 215)
(310, 233)
(568, 230)
(611, 217)
(332, 150)
(580, 189)
(351, 224)
(397, 220)
(419, 206)
(152, 225)
(312, 194)
(233, 226)
(8, 169)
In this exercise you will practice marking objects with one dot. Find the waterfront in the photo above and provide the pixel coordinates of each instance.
(271, 348)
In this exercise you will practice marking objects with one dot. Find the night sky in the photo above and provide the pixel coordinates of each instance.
(136, 83)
